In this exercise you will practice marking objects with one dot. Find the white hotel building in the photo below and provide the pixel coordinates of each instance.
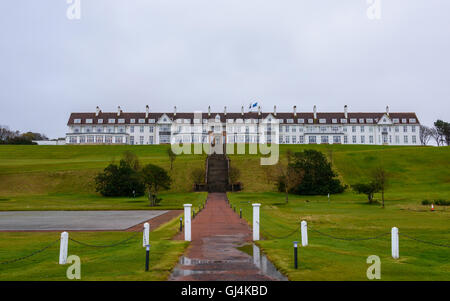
(294, 127)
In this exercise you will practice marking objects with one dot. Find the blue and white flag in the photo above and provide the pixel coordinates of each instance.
(252, 105)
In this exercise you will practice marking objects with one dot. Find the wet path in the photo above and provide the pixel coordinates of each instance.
(212, 255)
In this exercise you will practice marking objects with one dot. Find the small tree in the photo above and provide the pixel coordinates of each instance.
(132, 160)
(198, 176)
(288, 177)
(366, 188)
(119, 180)
(380, 179)
(233, 174)
(172, 157)
(156, 179)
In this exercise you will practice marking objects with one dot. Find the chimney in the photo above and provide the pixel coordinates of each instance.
(209, 111)
(259, 110)
(315, 111)
(225, 110)
(275, 110)
(295, 111)
(97, 111)
(175, 111)
(147, 109)
(119, 110)
(345, 111)
(242, 110)
(387, 110)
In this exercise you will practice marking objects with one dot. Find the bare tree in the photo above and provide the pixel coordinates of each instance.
(435, 135)
(172, 157)
(380, 179)
(425, 134)
(288, 177)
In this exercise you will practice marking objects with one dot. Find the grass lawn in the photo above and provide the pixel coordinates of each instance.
(349, 216)
(123, 262)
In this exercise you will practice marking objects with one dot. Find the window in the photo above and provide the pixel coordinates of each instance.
(131, 140)
(371, 129)
(76, 130)
(353, 120)
(395, 120)
(345, 139)
(397, 139)
(288, 139)
(412, 120)
(324, 139)
(413, 128)
(363, 139)
(111, 120)
(371, 139)
(405, 129)
(122, 129)
(132, 120)
(403, 120)
(336, 139)
(141, 139)
(89, 120)
(353, 128)
(132, 129)
(322, 120)
(141, 120)
(353, 139)
(301, 120)
(290, 120)
(99, 129)
(108, 139)
(287, 129)
(310, 120)
(151, 140)
(77, 121)
(343, 120)
(414, 139)
(82, 139)
(118, 139)
(73, 139)
(301, 139)
(121, 120)
(151, 128)
(294, 129)
(151, 121)
(396, 129)
(312, 139)
(294, 139)
(405, 139)
(90, 139)
(362, 129)
(369, 120)
(334, 120)
(361, 120)
(100, 121)
(141, 129)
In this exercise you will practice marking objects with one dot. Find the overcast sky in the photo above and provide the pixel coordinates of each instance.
(195, 53)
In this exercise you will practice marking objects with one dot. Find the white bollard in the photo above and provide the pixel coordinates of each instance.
(304, 227)
(187, 222)
(146, 235)
(394, 243)
(63, 247)
(256, 221)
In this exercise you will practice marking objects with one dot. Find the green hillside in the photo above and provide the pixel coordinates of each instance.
(40, 172)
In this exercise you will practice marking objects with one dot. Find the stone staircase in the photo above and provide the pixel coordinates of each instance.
(217, 173)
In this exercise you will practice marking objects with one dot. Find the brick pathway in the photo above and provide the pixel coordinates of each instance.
(212, 255)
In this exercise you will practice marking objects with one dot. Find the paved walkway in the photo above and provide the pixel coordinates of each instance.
(75, 220)
(216, 232)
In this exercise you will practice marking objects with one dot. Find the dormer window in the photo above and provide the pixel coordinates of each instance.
(322, 120)
(310, 120)
(343, 120)
(111, 120)
(179, 120)
(280, 120)
(301, 120)
(290, 120)
(100, 121)
(151, 121)
(361, 120)
(141, 120)
(89, 120)
(132, 120)
(403, 120)
(334, 120)
(396, 120)
(121, 120)
(353, 120)
(369, 120)
(412, 120)
(187, 121)
(230, 120)
(77, 121)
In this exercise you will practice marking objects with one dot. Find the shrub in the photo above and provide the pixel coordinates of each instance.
(156, 179)
(439, 202)
(318, 175)
(119, 180)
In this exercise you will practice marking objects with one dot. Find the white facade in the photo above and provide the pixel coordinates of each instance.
(252, 127)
